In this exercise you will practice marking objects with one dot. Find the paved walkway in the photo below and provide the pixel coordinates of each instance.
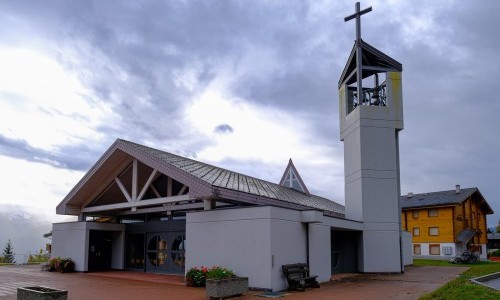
(129, 285)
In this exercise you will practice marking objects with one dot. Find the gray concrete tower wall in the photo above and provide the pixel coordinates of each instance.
(371, 166)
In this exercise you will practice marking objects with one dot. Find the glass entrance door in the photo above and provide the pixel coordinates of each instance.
(165, 252)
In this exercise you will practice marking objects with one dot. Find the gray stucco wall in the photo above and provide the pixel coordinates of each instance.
(257, 241)
(72, 240)
(320, 251)
(254, 242)
(407, 248)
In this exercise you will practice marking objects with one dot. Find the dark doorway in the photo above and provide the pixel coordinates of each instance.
(100, 249)
(135, 251)
(344, 245)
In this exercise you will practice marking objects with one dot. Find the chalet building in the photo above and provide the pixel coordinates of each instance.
(444, 224)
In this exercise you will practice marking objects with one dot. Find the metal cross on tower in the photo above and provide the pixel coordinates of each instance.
(359, 75)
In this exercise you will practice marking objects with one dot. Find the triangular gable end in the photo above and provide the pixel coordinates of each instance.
(291, 179)
(109, 182)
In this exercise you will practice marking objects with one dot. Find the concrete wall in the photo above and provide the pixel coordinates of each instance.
(371, 163)
(256, 241)
(72, 240)
(407, 248)
(320, 258)
(288, 244)
(253, 242)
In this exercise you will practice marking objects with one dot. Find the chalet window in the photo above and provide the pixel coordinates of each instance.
(417, 250)
(433, 212)
(447, 250)
(416, 231)
(434, 249)
(433, 230)
(414, 214)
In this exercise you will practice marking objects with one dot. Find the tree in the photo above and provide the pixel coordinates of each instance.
(498, 227)
(8, 253)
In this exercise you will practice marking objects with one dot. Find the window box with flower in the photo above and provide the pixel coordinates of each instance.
(196, 276)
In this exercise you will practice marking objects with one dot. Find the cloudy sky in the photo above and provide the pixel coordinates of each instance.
(244, 85)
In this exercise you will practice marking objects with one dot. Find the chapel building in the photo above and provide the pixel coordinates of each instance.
(144, 209)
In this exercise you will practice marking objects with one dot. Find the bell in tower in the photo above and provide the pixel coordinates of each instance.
(371, 116)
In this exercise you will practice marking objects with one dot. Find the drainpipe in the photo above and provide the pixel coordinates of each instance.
(307, 243)
(402, 264)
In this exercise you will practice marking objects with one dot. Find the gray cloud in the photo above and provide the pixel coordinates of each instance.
(223, 128)
(75, 157)
(149, 60)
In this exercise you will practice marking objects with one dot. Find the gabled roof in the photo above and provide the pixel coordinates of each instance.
(291, 178)
(204, 181)
(373, 61)
(444, 198)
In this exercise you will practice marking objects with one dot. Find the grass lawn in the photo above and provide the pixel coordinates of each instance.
(462, 288)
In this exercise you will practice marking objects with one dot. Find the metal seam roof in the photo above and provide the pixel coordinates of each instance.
(242, 183)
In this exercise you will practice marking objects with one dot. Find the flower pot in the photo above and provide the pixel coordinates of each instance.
(226, 287)
(40, 293)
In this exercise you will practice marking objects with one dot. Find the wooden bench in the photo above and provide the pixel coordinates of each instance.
(298, 277)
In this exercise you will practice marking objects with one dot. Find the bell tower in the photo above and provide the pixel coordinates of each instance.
(371, 116)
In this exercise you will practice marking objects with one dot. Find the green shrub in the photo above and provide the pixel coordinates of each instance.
(219, 273)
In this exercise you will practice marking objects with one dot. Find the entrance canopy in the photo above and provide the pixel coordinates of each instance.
(131, 179)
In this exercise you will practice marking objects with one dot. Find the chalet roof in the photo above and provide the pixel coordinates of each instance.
(441, 198)
(204, 180)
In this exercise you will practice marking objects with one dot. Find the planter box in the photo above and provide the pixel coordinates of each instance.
(227, 287)
(495, 258)
(40, 293)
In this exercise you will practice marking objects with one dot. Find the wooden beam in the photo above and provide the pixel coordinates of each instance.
(183, 189)
(178, 207)
(155, 191)
(146, 185)
(134, 180)
(123, 189)
(170, 182)
(147, 202)
(209, 204)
